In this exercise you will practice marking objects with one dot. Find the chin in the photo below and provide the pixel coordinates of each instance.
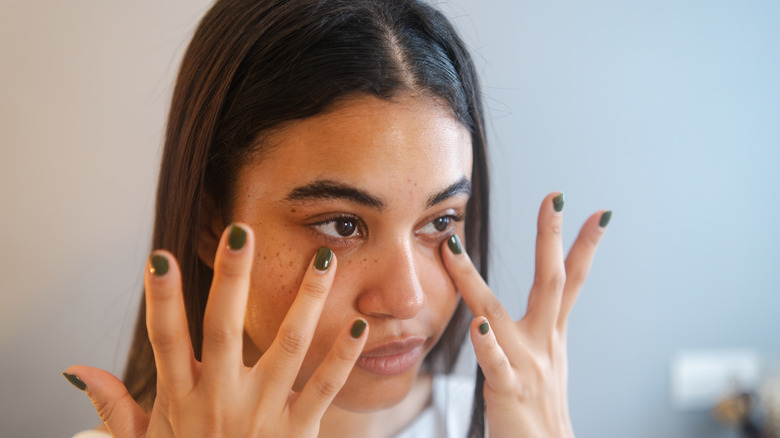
(369, 392)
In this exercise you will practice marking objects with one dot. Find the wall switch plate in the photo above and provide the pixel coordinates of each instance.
(701, 378)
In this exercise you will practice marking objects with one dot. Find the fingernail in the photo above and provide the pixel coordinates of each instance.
(236, 238)
(558, 202)
(454, 243)
(605, 217)
(484, 327)
(323, 259)
(75, 381)
(159, 265)
(357, 328)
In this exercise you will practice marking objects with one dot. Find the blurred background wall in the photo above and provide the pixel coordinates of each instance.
(665, 112)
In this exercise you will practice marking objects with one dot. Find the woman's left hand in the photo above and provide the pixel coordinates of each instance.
(524, 361)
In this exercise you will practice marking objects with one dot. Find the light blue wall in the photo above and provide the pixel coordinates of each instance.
(667, 112)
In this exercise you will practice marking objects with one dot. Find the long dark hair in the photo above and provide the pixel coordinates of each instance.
(254, 64)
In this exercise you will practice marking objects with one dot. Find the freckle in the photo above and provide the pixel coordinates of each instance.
(376, 260)
(292, 210)
(364, 259)
(277, 253)
(265, 257)
(291, 264)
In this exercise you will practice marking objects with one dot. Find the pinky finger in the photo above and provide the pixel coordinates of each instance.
(491, 357)
(332, 373)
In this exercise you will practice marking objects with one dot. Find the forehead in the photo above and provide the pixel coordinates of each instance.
(367, 142)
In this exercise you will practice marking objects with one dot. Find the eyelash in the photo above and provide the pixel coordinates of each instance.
(360, 228)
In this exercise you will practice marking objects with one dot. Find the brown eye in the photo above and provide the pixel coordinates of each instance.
(441, 223)
(345, 227)
(437, 226)
(340, 227)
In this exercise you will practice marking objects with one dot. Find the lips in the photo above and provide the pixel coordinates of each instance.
(392, 357)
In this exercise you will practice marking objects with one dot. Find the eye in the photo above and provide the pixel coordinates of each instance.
(340, 227)
(438, 225)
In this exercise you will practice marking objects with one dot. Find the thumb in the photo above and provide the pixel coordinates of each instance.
(119, 412)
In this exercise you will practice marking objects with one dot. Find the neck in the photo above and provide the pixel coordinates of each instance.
(384, 423)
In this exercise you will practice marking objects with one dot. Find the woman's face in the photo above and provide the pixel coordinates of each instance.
(383, 184)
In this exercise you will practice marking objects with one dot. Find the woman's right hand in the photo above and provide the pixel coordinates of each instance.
(219, 396)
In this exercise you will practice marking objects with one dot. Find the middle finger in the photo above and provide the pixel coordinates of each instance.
(544, 302)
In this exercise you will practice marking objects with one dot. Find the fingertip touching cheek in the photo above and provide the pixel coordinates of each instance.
(382, 183)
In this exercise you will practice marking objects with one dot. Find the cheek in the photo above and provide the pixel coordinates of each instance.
(441, 296)
(276, 276)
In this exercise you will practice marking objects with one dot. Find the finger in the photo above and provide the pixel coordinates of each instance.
(579, 260)
(499, 377)
(332, 373)
(119, 412)
(476, 293)
(544, 302)
(166, 322)
(286, 353)
(223, 320)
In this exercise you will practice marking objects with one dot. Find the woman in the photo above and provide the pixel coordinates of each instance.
(322, 159)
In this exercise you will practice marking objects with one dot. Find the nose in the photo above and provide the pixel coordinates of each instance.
(392, 286)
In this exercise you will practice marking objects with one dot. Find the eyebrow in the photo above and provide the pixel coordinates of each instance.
(329, 189)
(461, 186)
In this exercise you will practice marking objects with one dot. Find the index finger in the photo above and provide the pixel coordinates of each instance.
(286, 353)
(476, 293)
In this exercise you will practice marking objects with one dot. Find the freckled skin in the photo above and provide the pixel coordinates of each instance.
(402, 151)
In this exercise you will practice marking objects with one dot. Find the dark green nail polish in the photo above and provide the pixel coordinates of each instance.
(454, 243)
(323, 259)
(484, 327)
(159, 265)
(558, 202)
(236, 238)
(605, 217)
(75, 381)
(357, 328)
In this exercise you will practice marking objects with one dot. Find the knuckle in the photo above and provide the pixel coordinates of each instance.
(229, 267)
(553, 229)
(551, 280)
(315, 289)
(557, 279)
(165, 342)
(292, 342)
(107, 409)
(592, 239)
(344, 356)
(496, 362)
(326, 388)
(495, 311)
(221, 334)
